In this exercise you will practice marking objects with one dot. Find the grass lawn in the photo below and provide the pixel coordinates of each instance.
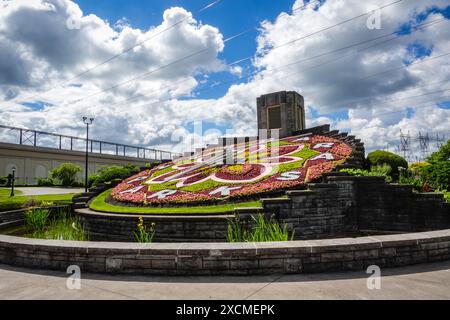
(100, 204)
(13, 203)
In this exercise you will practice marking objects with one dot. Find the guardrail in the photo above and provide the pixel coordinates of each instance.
(34, 138)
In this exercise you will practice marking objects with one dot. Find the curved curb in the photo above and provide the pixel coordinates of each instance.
(228, 259)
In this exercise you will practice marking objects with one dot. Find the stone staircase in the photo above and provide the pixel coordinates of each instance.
(82, 201)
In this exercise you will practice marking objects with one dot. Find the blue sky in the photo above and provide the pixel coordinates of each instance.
(230, 16)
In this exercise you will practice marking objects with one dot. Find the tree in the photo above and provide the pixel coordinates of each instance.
(380, 157)
(438, 174)
(66, 173)
(443, 154)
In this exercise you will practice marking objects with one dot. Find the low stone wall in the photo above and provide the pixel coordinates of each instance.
(228, 259)
(169, 228)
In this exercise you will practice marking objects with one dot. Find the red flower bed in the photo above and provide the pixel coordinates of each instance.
(236, 181)
(250, 171)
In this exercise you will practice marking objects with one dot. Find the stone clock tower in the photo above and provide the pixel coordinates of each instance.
(281, 110)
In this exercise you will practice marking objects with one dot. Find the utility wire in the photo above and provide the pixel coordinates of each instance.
(278, 69)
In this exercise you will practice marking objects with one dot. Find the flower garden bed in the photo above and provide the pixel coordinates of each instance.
(260, 167)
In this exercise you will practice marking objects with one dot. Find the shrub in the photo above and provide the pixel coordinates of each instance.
(108, 174)
(376, 171)
(446, 194)
(407, 177)
(66, 173)
(3, 181)
(37, 218)
(45, 182)
(438, 174)
(418, 166)
(262, 230)
(380, 157)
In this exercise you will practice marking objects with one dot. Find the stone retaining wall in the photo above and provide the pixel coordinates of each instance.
(344, 204)
(339, 207)
(228, 259)
(169, 228)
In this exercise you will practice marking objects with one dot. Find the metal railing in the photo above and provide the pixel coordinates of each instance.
(28, 137)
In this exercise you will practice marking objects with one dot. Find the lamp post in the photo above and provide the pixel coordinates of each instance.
(12, 181)
(87, 122)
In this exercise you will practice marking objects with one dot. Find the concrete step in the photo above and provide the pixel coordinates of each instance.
(80, 205)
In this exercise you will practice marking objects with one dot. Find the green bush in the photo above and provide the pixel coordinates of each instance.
(376, 171)
(417, 167)
(380, 157)
(66, 174)
(108, 174)
(438, 174)
(410, 177)
(446, 194)
(45, 182)
(3, 181)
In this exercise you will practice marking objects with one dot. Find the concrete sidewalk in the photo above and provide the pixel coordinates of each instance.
(431, 281)
(37, 191)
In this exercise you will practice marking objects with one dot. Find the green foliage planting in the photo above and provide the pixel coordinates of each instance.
(446, 194)
(62, 228)
(438, 174)
(261, 230)
(45, 182)
(108, 174)
(66, 174)
(3, 181)
(375, 171)
(99, 204)
(410, 177)
(417, 167)
(380, 157)
(37, 218)
(144, 234)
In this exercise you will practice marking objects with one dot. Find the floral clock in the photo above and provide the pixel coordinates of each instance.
(230, 173)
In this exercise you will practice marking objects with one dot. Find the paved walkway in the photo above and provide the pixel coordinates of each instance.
(431, 281)
(36, 191)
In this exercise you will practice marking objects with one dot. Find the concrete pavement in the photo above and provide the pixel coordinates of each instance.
(36, 191)
(430, 281)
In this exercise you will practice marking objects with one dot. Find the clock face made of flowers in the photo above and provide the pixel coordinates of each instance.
(258, 167)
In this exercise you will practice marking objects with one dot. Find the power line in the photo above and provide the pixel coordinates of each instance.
(318, 31)
(199, 52)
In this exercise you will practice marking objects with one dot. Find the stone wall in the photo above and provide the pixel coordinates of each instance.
(228, 259)
(169, 228)
(344, 205)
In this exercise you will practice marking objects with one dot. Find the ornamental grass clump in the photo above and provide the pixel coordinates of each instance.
(144, 233)
(261, 230)
(37, 218)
